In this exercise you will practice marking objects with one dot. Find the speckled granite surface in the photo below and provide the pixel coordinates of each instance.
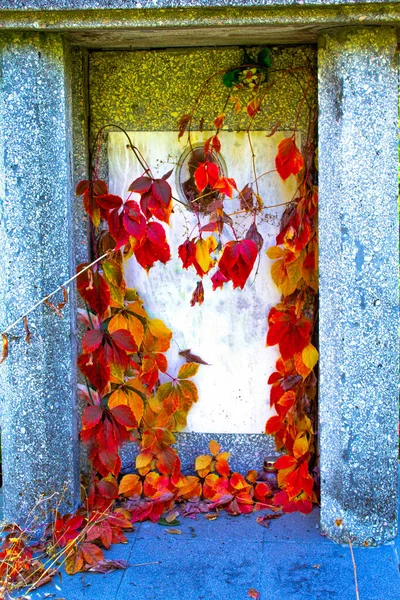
(120, 4)
(358, 237)
(38, 414)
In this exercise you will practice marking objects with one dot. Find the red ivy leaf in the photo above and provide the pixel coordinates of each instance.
(237, 260)
(95, 368)
(94, 289)
(124, 415)
(162, 191)
(141, 185)
(154, 247)
(207, 173)
(289, 160)
(291, 333)
(124, 340)
(91, 416)
(92, 340)
(187, 253)
(218, 280)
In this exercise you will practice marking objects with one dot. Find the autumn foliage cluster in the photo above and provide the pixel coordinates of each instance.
(129, 393)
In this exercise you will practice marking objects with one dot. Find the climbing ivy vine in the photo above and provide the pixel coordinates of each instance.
(124, 348)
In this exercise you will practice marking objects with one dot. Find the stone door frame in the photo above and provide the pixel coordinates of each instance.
(44, 151)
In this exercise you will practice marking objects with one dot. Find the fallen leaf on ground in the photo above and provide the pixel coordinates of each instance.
(174, 531)
(264, 521)
(107, 566)
(211, 516)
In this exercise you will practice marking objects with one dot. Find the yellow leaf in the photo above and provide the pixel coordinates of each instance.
(143, 460)
(117, 373)
(300, 446)
(212, 243)
(203, 462)
(117, 398)
(203, 254)
(281, 279)
(310, 356)
(275, 252)
(135, 327)
(214, 447)
(188, 370)
(117, 322)
(223, 456)
(304, 424)
(294, 269)
(159, 329)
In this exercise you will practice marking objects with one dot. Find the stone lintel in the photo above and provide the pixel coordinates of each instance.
(38, 408)
(358, 237)
(105, 24)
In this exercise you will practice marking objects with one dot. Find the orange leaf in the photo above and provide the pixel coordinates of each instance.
(289, 160)
(91, 553)
(74, 561)
(130, 485)
(214, 447)
(301, 368)
(301, 444)
(219, 121)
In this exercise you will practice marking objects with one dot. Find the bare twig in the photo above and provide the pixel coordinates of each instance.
(339, 523)
(60, 288)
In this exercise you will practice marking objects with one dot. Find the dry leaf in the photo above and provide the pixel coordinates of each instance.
(254, 594)
(174, 531)
(172, 516)
(28, 336)
(107, 566)
(211, 516)
(187, 354)
(53, 307)
(4, 353)
(65, 298)
(274, 129)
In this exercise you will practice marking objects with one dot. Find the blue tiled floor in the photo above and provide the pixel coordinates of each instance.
(223, 559)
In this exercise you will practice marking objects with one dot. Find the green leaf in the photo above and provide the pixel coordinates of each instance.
(188, 370)
(231, 77)
(264, 57)
(113, 271)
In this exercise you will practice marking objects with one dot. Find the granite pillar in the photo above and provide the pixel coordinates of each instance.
(38, 407)
(358, 233)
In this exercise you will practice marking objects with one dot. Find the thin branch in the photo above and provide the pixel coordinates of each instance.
(60, 287)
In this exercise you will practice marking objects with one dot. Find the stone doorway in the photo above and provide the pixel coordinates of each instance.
(161, 86)
(358, 231)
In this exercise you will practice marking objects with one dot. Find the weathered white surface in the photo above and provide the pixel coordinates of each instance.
(229, 329)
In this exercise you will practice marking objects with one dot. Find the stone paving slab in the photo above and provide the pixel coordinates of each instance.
(222, 559)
